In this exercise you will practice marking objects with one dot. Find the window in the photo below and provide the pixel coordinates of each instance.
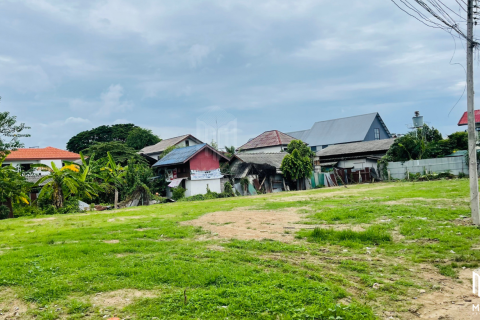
(25, 166)
(377, 134)
(187, 143)
(314, 149)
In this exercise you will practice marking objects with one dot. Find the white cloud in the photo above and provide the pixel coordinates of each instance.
(111, 101)
(197, 54)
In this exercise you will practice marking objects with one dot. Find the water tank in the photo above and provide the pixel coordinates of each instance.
(417, 120)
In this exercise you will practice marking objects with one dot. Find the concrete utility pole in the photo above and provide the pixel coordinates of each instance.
(472, 143)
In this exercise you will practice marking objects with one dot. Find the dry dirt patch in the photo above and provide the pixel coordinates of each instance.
(120, 298)
(11, 307)
(111, 241)
(250, 224)
(454, 300)
(43, 219)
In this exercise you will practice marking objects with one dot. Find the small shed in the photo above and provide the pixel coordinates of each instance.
(194, 168)
(261, 169)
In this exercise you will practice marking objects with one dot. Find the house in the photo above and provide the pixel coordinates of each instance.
(194, 168)
(156, 150)
(261, 169)
(267, 142)
(366, 127)
(24, 158)
(357, 155)
(464, 122)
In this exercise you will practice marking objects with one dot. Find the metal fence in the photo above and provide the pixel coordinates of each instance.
(454, 165)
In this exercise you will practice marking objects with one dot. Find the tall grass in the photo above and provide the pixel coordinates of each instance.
(372, 235)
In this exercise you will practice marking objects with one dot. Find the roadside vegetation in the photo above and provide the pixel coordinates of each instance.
(365, 252)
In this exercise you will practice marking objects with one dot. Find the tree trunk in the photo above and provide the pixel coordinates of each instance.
(116, 198)
(10, 207)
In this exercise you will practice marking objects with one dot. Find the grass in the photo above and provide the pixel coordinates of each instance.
(58, 267)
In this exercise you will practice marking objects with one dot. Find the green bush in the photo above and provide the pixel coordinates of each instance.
(4, 212)
(178, 193)
(462, 175)
(227, 188)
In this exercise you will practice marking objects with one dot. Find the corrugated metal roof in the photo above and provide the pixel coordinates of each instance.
(180, 155)
(335, 131)
(273, 159)
(357, 147)
(267, 139)
(164, 144)
(464, 119)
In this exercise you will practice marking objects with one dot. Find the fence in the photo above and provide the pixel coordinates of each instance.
(341, 176)
(454, 165)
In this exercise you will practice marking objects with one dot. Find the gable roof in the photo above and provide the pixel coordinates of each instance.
(268, 139)
(182, 155)
(242, 162)
(164, 144)
(48, 153)
(374, 146)
(342, 130)
(464, 119)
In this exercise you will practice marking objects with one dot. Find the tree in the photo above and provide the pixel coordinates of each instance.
(85, 139)
(298, 163)
(88, 177)
(459, 140)
(119, 151)
(139, 138)
(115, 174)
(214, 145)
(13, 187)
(10, 133)
(230, 151)
(59, 184)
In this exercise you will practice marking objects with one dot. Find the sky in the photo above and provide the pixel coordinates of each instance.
(241, 67)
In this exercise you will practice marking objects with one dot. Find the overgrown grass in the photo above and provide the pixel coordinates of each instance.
(67, 261)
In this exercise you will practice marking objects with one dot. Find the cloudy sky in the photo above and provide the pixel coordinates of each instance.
(171, 65)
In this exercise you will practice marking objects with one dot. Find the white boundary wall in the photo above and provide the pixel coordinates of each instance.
(454, 165)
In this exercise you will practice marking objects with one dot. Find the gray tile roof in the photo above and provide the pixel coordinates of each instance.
(343, 130)
(375, 146)
(164, 144)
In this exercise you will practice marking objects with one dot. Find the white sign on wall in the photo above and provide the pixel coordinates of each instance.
(205, 175)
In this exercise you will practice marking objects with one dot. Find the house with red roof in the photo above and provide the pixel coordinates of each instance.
(464, 119)
(24, 158)
(268, 142)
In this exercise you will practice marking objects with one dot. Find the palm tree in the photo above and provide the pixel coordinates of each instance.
(88, 178)
(12, 186)
(230, 151)
(115, 174)
(59, 182)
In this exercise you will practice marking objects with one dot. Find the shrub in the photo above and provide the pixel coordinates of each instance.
(227, 188)
(4, 212)
(462, 175)
(178, 193)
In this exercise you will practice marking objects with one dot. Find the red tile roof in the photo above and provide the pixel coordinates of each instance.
(42, 154)
(464, 119)
(268, 139)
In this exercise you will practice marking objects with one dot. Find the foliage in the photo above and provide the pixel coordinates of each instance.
(302, 148)
(137, 178)
(178, 193)
(373, 235)
(425, 143)
(59, 184)
(10, 133)
(139, 138)
(167, 151)
(13, 186)
(295, 167)
(120, 152)
(86, 139)
(230, 151)
(4, 211)
(214, 144)
(228, 188)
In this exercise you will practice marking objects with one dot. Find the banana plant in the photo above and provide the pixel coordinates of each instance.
(115, 174)
(59, 182)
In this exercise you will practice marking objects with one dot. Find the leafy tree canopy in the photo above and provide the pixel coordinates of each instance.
(138, 138)
(85, 139)
(425, 143)
(298, 163)
(119, 151)
(10, 133)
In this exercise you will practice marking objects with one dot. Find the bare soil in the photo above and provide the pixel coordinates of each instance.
(120, 298)
(11, 307)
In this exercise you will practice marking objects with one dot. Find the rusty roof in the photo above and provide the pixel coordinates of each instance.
(464, 119)
(268, 139)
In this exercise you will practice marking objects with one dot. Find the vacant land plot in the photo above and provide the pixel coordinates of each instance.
(380, 251)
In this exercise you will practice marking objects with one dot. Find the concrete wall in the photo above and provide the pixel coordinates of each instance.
(453, 164)
(200, 186)
(274, 149)
(17, 164)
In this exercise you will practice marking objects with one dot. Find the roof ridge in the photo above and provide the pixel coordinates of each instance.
(359, 115)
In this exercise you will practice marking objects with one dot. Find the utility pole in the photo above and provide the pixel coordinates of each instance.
(472, 143)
